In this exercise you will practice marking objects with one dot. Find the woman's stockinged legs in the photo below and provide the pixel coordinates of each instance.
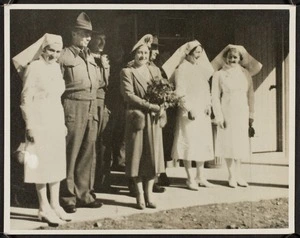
(200, 177)
(54, 194)
(138, 182)
(240, 181)
(140, 200)
(231, 166)
(42, 196)
(54, 201)
(191, 183)
(200, 171)
(45, 211)
(188, 168)
(149, 182)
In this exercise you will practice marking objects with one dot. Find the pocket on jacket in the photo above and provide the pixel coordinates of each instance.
(75, 70)
(68, 110)
(136, 118)
(70, 118)
(94, 71)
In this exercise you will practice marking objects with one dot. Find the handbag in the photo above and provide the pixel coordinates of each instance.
(251, 132)
(25, 154)
(136, 118)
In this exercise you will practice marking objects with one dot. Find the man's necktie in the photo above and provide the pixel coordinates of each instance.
(82, 54)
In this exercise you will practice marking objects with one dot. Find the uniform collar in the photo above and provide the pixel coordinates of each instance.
(76, 50)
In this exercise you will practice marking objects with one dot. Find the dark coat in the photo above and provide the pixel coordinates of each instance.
(143, 134)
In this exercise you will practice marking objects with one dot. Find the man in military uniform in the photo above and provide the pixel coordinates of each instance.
(102, 163)
(81, 75)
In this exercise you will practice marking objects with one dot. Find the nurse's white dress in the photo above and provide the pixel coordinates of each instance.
(43, 113)
(233, 102)
(193, 138)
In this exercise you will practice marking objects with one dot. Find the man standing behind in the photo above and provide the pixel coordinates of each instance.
(154, 52)
(81, 75)
(103, 160)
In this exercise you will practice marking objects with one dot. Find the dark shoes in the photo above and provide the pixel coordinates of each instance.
(163, 180)
(158, 189)
(50, 217)
(73, 209)
(149, 204)
(94, 204)
(142, 202)
(70, 208)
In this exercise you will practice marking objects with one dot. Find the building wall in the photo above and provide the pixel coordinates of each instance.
(260, 32)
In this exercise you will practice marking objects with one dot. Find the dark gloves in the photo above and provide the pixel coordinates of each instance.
(29, 135)
(191, 116)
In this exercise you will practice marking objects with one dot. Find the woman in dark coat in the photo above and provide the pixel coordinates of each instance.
(143, 133)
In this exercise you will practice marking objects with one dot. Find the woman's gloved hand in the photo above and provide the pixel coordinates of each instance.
(207, 110)
(221, 124)
(191, 116)
(29, 135)
(154, 108)
(251, 120)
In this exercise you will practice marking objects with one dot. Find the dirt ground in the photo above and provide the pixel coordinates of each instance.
(242, 215)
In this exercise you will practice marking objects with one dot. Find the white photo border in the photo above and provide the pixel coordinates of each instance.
(291, 116)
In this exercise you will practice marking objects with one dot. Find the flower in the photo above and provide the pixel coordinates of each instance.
(161, 92)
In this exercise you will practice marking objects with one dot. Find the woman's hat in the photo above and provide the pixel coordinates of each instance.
(177, 58)
(83, 22)
(34, 51)
(248, 62)
(145, 40)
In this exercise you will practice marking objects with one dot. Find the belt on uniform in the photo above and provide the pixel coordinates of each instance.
(81, 95)
(101, 93)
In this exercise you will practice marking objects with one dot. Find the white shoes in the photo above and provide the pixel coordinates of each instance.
(242, 183)
(233, 182)
(192, 185)
(204, 183)
(60, 212)
(50, 217)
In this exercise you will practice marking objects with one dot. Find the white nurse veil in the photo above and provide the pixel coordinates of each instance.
(34, 51)
(248, 62)
(176, 59)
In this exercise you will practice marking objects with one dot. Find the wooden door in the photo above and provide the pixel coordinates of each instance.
(261, 42)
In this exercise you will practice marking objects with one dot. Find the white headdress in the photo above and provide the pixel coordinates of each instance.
(250, 63)
(145, 40)
(34, 51)
(176, 59)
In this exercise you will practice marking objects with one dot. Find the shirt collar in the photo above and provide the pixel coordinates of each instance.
(96, 55)
(76, 50)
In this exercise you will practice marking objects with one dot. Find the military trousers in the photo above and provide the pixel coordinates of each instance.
(81, 120)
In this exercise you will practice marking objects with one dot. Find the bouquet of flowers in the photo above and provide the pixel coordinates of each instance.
(162, 92)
